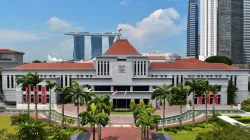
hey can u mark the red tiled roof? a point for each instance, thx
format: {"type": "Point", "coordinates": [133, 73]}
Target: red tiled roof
{"type": "Point", "coordinates": [55, 66]}
{"type": "Point", "coordinates": [8, 50]}
{"type": "Point", "coordinates": [156, 57]}
{"type": "Point", "coordinates": [190, 63]}
{"type": "Point", "coordinates": [121, 47]}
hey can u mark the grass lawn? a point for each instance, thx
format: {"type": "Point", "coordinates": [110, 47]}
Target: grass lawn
{"type": "Point", "coordinates": [187, 136]}
{"type": "Point", "coordinates": [114, 112]}
{"type": "Point", "coordinates": [5, 123]}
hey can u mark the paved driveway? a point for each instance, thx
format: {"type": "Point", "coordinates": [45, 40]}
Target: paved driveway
{"type": "Point", "coordinates": [121, 119]}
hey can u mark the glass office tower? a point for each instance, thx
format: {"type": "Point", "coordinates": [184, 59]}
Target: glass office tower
{"type": "Point", "coordinates": [246, 31]}
{"type": "Point", "coordinates": [79, 48]}
{"type": "Point", "coordinates": [192, 29]}
{"type": "Point", "coordinates": [230, 30]}
{"type": "Point", "coordinates": [111, 40]}
{"type": "Point", "coordinates": [96, 46]}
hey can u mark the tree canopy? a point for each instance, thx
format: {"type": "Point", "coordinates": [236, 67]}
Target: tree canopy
{"type": "Point", "coordinates": [219, 59]}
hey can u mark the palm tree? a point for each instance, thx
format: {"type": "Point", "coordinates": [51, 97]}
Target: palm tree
{"type": "Point", "coordinates": [162, 92]}
{"type": "Point", "coordinates": [93, 117]}
{"type": "Point", "coordinates": [50, 85]}
{"type": "Point", "coordinates": [214, 89]}
{"type": "Point", "coordinates": [194, 86]}
{"type": "Point", "coordinates": [78, 96]}
{"type": "Point", "coordinates": [64, 91]}
{"type": "Point", "coordinates": [35, 80]}
{"type": "Point", "coordinates": [147, 121]}
{"type": "Point", "coordinates": [205, 88]}
{"type": "Point", "coordinates": [25, 80]}
{"type": "Point", "coordinates": [179, 97]}
{"type": "Point", "coordinates": [102, 105]}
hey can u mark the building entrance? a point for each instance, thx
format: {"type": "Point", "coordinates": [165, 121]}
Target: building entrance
{"type": "Point", "coordinates": [121, 103]}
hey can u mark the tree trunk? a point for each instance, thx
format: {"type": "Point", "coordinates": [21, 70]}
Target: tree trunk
{"type": "Point", "coordinates": [163, 116]}
{"type": "Point", "coordinates": [99, 132]}
{"type": "Point", "coordinates": [213, 109]}
{"type": "Point", "coordinates": [141, 133]}
{"type": "Point", "coordinates": [29, 101]}
{"type": "Point", "coordinates": [206, 108]}
{"type": "Point", "coordinates": [78, 119]}
{"type": "Point", "coordinates": [36, 101]}
{"type": "Point", "coordinates": [180, 115]}
{"type": "Point", "coordinates": [193, 112]}
{"type": "Point", "coordinates": [50, 106]}
{"type": "Point", "coordinates": [147, 133]}
{"type": "Point", "coordinates": [94, 132]}
{"type": "Point", "coordinates": [62, 111]}
{"type": "Point", "coordinates": [145, 136]}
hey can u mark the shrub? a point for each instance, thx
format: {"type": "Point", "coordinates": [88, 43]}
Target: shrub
{"type": "Point", "coordinates": [132, 105]}
{"type": "Point", "coordinates": [142, 103]}
{"type": "Point", "coordinates": [200, 125]}
{"type": "Point", "coordinates": [17, 120]}
{"type": "Point", "coordinates": [246, 108]}
{"type": "Point", "coordinates": [150, 105]}
{"type": "Point", "coordinates": [245, 119]}
{"type": "Point", "coordinates": [234, 116]}
{"type": "Point", "coordinates": [2, 109]}
{"type": "Point", "coordinates": [187, 128]}
{"type": "Point", "coordinates": [70, 129]}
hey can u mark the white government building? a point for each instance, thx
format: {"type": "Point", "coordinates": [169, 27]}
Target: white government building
{"type": "Point", "coordinates": [123, 69]}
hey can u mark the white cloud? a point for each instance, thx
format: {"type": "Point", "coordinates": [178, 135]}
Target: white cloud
{"type": "Point", "coordinates": [8, 36]}
{"type": "Point", "coordinates": [69, 43]}
{"type": "Point", "coordinates": [123, 2]}
{"type": "Point", "coordinates": [162, 23]}
{"type": "Point", "coordinates": [59, 25]}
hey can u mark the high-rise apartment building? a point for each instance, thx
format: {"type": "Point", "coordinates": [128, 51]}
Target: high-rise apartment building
{"type": "Point", "coordinates": [192, 29]}
{"type": "Point", "coordinates": [230, 30]}
{"type": "Point", "coordinates": [79, 47]}
{"type": "Point", "coordinates": [208, 28]}
{"type": "Point", "coordinates": [246, 31]}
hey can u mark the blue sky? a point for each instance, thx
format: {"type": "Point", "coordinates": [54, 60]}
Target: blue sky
{"type": "Point", "coordinates": [36, 27]}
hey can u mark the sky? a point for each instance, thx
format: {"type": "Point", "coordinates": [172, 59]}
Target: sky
{"type": "Point", "coordinates": [36, 27]}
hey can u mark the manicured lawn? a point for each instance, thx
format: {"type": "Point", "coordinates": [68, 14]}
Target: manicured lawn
{"type": "Point", "coordinates": [188, 135]}
{"type": "Point", "coordinates": [5, 123]}
{"type": "Point", "coordinates": [114, 112]}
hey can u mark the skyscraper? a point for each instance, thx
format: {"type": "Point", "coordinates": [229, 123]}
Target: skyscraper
{"type": "Point", "coordinates": [96, 46]}
{"type": "Point", "coordinates": [246, 31]}
{"type": "Point", "coordinates": [208, 28]}
{"type": "Point", "coordinates": [230, 30]}
{"type": "Point", "coordinates": [192, 29]}
{"type": "Point", "coordinates": [79, 47]}
{"type": "Point", "coordinates": [111, 40]}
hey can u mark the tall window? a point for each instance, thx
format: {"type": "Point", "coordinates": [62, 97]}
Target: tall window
{"type": "Point", "coordinates": [8, 81]}
{"type": "Point", "coordinates": [101, 68]}
{"type": "Point", "coordinates": [98, 67]}
{"type": "Point", "coordinates": [40, 99]}
{"type": "Point", "coordinates": [47, 98]}
{"type": "Point", "coordinates": [108, 68]}
{"type": "Point", "coordinates": [32, 99]}
{"type": "Point", "coordinates": [235, 80]}
{"type": "Point", "coordinates": [61, 81]}
{"type": "Point", "coordinates": [177, 80]}
{"type": "Point", "coordinates": [173, 79]}
{"type": "Point", "coordinates": [12, 81]}
{"type": "Point", "coordinates": [66, 80]}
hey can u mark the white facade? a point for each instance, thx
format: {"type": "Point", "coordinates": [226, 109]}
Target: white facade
{"type": "Point", "coordinates": [208, 28]}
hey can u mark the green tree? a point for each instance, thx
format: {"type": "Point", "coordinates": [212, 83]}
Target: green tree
{"type": "Point", "coordinates": [195, 86]}
{"type": "Point", "coordinates": [79, 96]}
{"type": "Point", "coordinates": [146, 120]}
{"type": "Point", "coordinates": [132, 105]}
{"type": "Point", "coordinates": [214, 90]}
{"type": "Point", "coordinates": [64, 91]}
{"type": "Point", "coordinates": [219, 59]}
{"type": "Point", "coordinates": [36, 61]}
{"type": "Point", "coordinates": [231, 92]}
{"type": "Point", "coordinates": [50, 85]}
{"type": "Point", "coordinates": [163, 92]}
{"type": "Point", "coordinates": [179, 97]}
{"type": "Point", "coordinates": [35, 80]}
{"type": "Point", "coordinates": [28, 131]}
{"type": "Point", "coordinates": [93, 117]}
{"type": "Point", "coordinates": [25, 80]}
{"type": "Point", "coordinates": [205, 88]}
{"type": "Point", "coordinates": [102, 106]}
{"type": "Point", "coordinates": [150, 105]}
{"type": "Point", "coordinates": [142, 103]}
{"type": "Point", "coordinates": [111, 105]}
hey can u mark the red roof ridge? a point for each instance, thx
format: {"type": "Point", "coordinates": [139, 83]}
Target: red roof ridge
{"type": "Point", "coordinates": [9, 50]}
{"type": "Point", "coordinates": [54, 66]}
{"type": "Point", "coordinates": [121, 47]}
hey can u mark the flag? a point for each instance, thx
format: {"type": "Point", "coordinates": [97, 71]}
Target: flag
{"type": "Point", "coordinates": [120, 30]}
{"type": "Point", "coordinates": [125, 93]}
{"type": "Point", "coordinates": [114, 92]}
